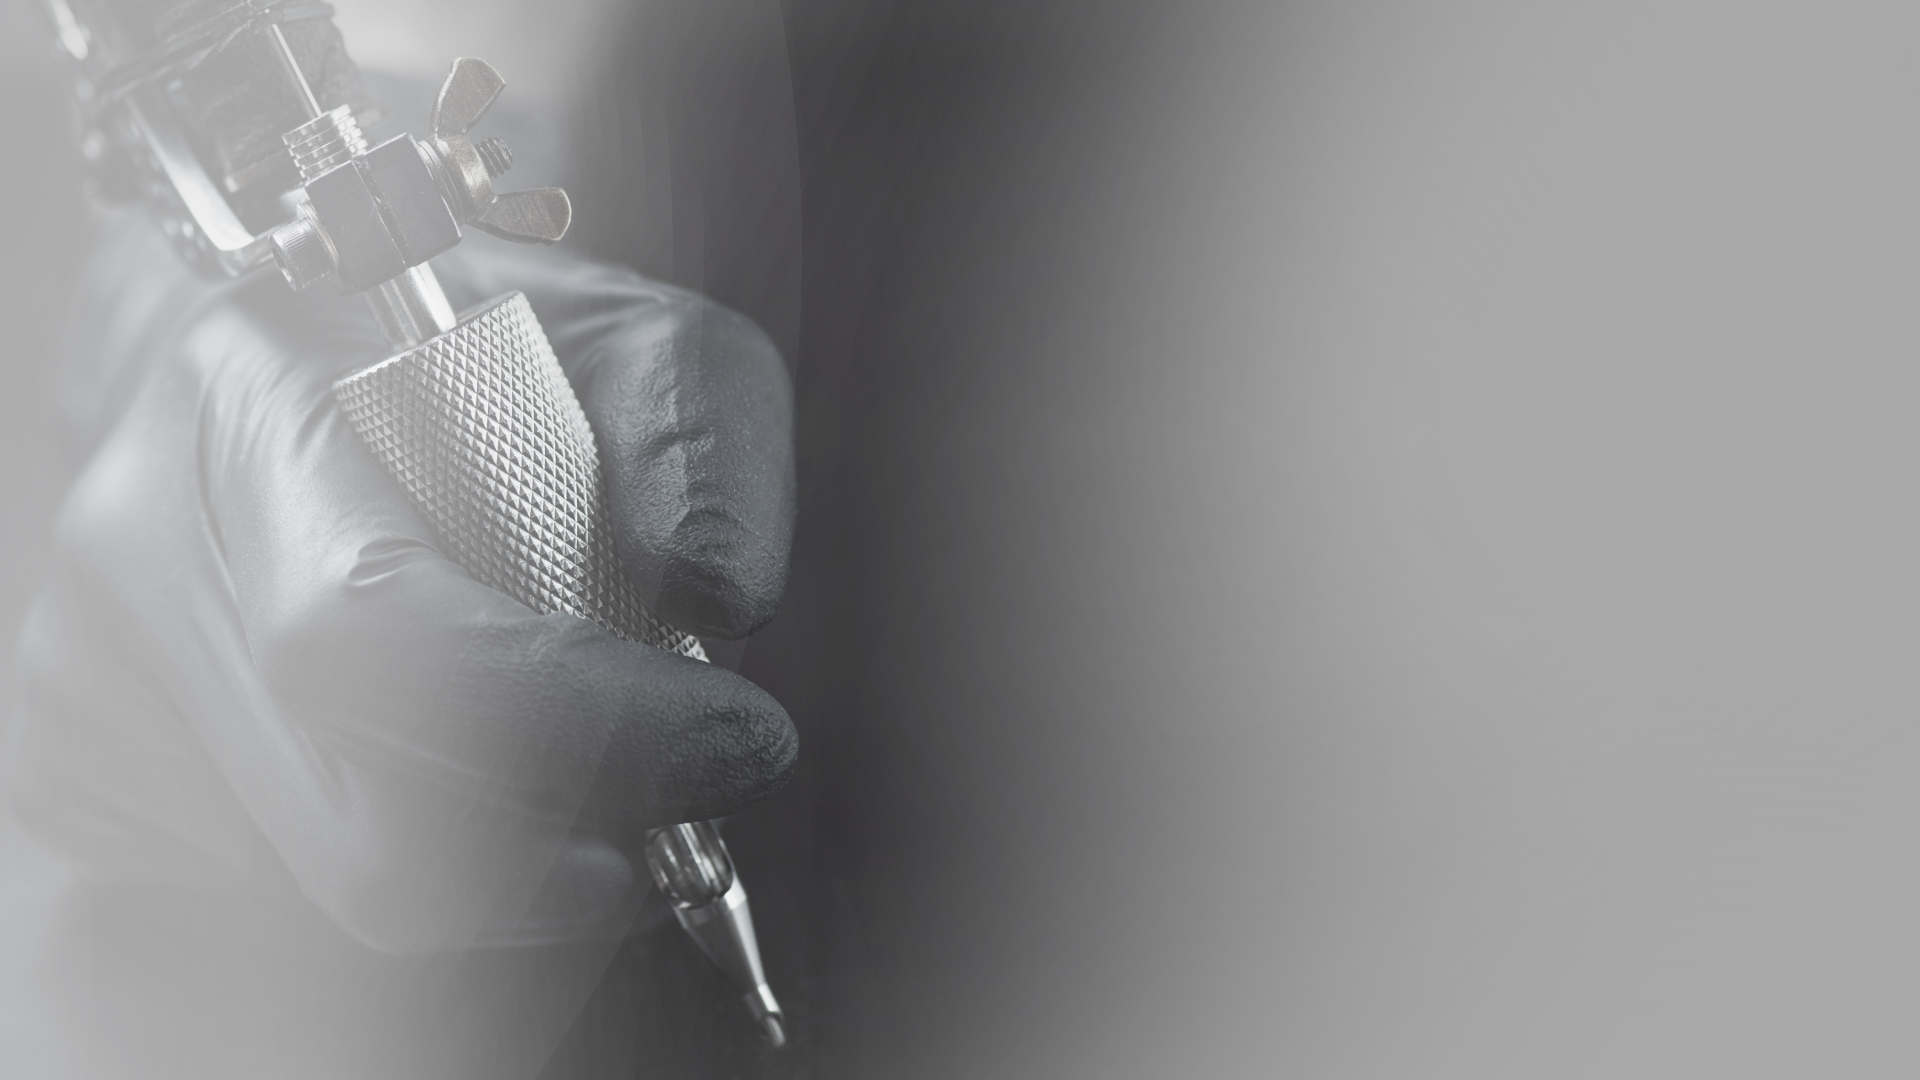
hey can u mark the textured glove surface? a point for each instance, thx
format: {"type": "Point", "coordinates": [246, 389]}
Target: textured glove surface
{"type": "Point", "coordinates": [251, 634]}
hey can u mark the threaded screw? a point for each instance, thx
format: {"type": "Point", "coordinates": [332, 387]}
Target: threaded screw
{"type": "Point", "coordinates": [495, 155]}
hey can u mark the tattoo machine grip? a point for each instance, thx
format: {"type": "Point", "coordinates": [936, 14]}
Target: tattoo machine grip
{"type": "Point", "coordinates": [482, 429]}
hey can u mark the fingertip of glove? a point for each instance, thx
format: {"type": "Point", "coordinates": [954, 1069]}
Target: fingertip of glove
{"type": "Point", "coordinates": [727, 603]}
{"type": "Point", "coordinates": [688, 740]}
{"type": "Point", "coordinates": [756, 748]}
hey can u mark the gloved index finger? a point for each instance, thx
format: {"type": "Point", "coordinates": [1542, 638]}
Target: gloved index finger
{"type": "Point", "coordinates": [392, 654]}
{"type": "Point", "coordinates": [692, 408]}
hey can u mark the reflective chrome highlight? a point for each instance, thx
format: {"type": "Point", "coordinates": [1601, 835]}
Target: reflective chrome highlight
{"type": "Point", "coordinates": [411, 308]}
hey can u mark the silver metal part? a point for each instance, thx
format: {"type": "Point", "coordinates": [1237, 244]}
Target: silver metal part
{"type": "Point", "coordinates": [496, 155]}
{"type": "Point", "coordinates": [724, 931]}
{"type": "Point", "coordinates": [535, 216]}
{"type": "Point", "coordinates": [411, 308]}
{"type": "Point", "coordinates": [463, 175]}
{"type": "Point", "coordinates": [465, 172]}
{"type": "Point", "coordinates": [690, 864]}
{"type": "Point", "coordinates": [442, 175]}
{"type": "Point", "coordinates": [218, 232]}
{"type": "Point", "coordinates": [302, 249]}
{"type": "Point", "coordinates": [470, 89]}
{"type": "Point", "coordinates": [325, 142]}
{"type": "Point", "coordinates": [331, 137]}
{"type": "Point", "coordinates": [481, 427]}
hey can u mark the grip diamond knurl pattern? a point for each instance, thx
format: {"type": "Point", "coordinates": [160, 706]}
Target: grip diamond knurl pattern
{"type": "Point", "coordinates": [484, 432]}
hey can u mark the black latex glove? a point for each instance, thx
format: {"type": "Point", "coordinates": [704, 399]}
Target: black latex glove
{"type": "Point", "coordinates": [251, 634]}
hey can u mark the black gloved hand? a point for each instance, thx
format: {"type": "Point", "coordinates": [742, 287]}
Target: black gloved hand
{"type": "Point", "coordinates": [251, 633]}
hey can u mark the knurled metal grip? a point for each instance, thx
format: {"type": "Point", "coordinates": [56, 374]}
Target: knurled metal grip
{"type": "Point", "coordinates": [482, 429]}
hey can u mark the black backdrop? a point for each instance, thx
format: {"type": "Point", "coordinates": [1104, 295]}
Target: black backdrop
{"type": "Point", "coordinates": [1341, 546]}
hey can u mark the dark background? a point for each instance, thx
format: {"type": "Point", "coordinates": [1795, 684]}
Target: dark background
{"type": "Point", "coordinates": [1348, 539]}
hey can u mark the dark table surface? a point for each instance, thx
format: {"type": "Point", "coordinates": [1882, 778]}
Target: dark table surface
{"type": "Point", "coordinates": [1229, 619]}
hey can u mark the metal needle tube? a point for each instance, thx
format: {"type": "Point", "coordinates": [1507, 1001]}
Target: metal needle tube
{"type": "Point", "coordinates": [285, 54]}
{"type": "Point", "coordinates": [411, 308]}
{"type": "Point", "coordinates": [692, 867]}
